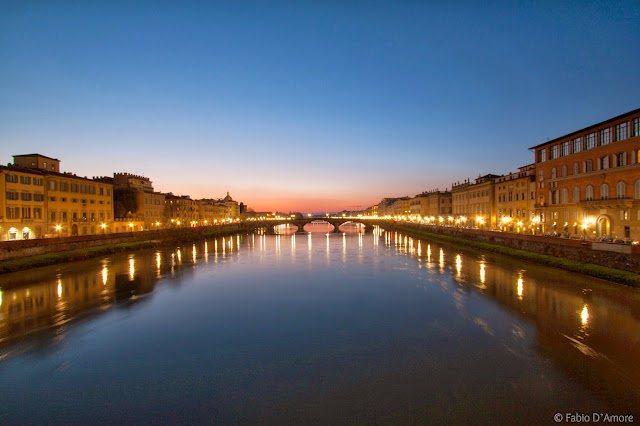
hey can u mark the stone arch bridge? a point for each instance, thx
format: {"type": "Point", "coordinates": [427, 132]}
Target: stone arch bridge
{"type": "Point", "coordinates": [300, 223]}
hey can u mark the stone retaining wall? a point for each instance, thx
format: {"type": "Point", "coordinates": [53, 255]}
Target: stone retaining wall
{"type": "Point", "coordinates": [23, 248]}
{"type": "Point", "coordinates": [569, 249]}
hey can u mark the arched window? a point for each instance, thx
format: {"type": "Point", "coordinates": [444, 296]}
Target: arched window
{"type": "Point", "coordinates": [564, 196]}
{"type": "Point", "coordinates": [553, 173]}
{"type": "Point", "coordinates": [588, 193]}
{"type": "Point", "coordinates": [636, 192]}
{"type": "Point", "coordinates": [588, 166]}
{"type": "Point", "coordinates": [621, 190]}
{"type": "Point", "coordinates": [576, 194]}
{"type": "Point", "coordinates": [575, 168]}
{"type": "Point", "coordinates": [604, 191]}
{"type": "Point", "coordinates": [564, 171]}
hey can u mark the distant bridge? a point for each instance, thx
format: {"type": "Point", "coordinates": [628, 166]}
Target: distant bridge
{"type": "Point", "coordinates": [336, 221]}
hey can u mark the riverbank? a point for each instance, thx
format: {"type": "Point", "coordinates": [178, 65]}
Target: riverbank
{"type": "Point", "coordinates": [590, 269]}
{"type": "Point", "coordinates": [140, 240]}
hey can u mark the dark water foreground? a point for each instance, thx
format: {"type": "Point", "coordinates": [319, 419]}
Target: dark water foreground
{"type": "Point", "coordinates": [324, 328]}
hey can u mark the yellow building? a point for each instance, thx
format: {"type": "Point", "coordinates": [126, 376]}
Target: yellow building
{"type": "Point", "coordinates": [514, 198]}
{"type": "Point", "coordinates": [474, 203]}
{"type": "Point", "coordinates": [180, 211]}
{"type": "Point", "coordinates": [39, 201]}
{"type": "Point", "coordinates": [22, 204]}
{"type": "Point", "coordinates": [136, 200]}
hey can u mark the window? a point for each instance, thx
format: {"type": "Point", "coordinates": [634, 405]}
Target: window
{"type": "Point", "coordinates": [12, 195]}
{"type": "Point", "coordinates": [555, 152]}
{"type": "Point", "coordinates": [64, 186]}
{"type": "Point", "coordinates": [37, 181]}
{"type": "Point", "coordinates": [603, 163]}
{"type": "Point", "coordinates": [26, 212]}
{"type": "Point", "coordinates": [12, 178]}
{"type": "Point", "coordinates": [26, 196]}
{"type": "Point", "coordinates": [577, 145]}
{"type": "Point", "coordinates": [564, 196]}
{"type": "Point", "coordinates": [604, 191]}
{"type": "Point", "coordinates": [25, 180]}
{"type": "Point", "coordinates": [564, 171]}
{"type": "Point", "coordinates": [588, 193]}
{"type": "Point", "coordinates": [52, 198]}
{"type": "Point", "coordinates": [564, 148]}
{"type": "Point", "coordinates": [38, 197]}
{"type": "Point", "coordinates": [605, 136]}
{"type": "Point", "coordinates": [52, 185]}
{"type": "Point", "coordinates": [636, 191]}
{"type": "Point", "coordinates": [64, 216]}
{"type": "Point", "coordinates": [575, 168]}
{"type": "Point", "coordinates": [622, 131]}
{"type": "Point", "coordinates": [74, 187]}
{"type": "Point", "coordinates": [576, 195]}
{"type": "Point", "coordinates": [101, 191]}
{"type": "Point", "coordinates": [588, 166]}
{"type": "Point", "coordinates": [634, 158]}
{"type": "Point", "coordinates": [590, 141]}
{"type": "Point", "coordinates": [553, 173]}
{"type": "Point", "coordinates": [621, 190]}
{"type": "Point", "coordinates": [52, 216]}
{"type": "Point", "coordinates": [37, 212]}
{"type": "Point", "coordinates": [13, 213]}
{"type": "Point", "coordinates": [636, 126]}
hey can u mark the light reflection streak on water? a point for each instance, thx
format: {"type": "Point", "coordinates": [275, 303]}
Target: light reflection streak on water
{"type": "Point", "coordinates": [132, 268]}
{"type": "Point", "coordinates": [360, 241]}
{"type": "Point", "coordinates": [458, 266]}
{"type": "Point", "coordinates": [104, 275]}
{"type": "Point", "coordinates": [483, 273]}
{"type": "Point", "coordinates": [520, 288]}
{"type": "Point", "coordinates": [584, 317]}
{"type": "Point", "coordinates": [429, 253]}
{"type": "Point", "coordinates": [194, 253]}
{"type": "Point", "coordinates": [59, 288]}
{"type": "Point", "coordinates": [206, 252]}
{"type": "Point", "coordinates": [441, 262]}
{"type": "Point", "coordinates": [278, 245]}
{"type": "Point", "coordinates": [293, 245]}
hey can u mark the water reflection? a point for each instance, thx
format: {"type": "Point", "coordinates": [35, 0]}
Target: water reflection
{"type": "Point", "coordinates": [586, 330]}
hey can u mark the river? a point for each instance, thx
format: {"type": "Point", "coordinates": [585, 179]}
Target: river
{"type": "Point", "coordinates": [318, 327]}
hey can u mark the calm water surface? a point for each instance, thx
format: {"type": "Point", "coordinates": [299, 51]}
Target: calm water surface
{"type": "Point", "coordinates": [314, 327]}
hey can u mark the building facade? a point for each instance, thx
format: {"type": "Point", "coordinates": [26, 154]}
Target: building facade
{"type": "Point", "coordinates": [38, 201]}
{"type": "Point", "coordinates": [474, 203]}
{"type": "Point", "coordinates": [588, 181]}
{"type": "Point", "coordinates": [514, 199]}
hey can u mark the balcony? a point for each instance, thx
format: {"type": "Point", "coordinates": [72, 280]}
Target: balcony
{"type": "Point", "coordinates": [611, 203]}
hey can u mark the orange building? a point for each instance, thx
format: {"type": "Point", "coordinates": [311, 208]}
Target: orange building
{"type": "Point", "coordinates": [588, 181]}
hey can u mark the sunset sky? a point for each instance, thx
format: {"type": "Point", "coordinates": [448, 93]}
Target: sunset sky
{"type": "Point", "coordinates": [308, 105]}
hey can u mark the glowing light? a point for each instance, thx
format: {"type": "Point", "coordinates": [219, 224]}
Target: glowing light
{"type": "Point", "coordinates": [520, 288]}
{"type": "Point", "coordinates": [104, 275]}
{"type": "Point", "coordinates": [58, 227]}
{"type": "Point", "coordinates": [132, 269]}
{"type": "Point", "coordinates": [0, 297]}
{"type": "Point", "coordinates": [459, 264]}
{"type": "Point", "coordinates": [194, 253]}
{"type": "Point", "coordinates": [158, 260]}
{"type": "Point", "coordinates": [584, 315]}
{"type": "Point", "coordinates": [59, 288]}
{"type": "Point", "coordinates": [483, 273]}
{"type": "Point", "coordinates": [103, 226]}
{"type": "Point", "coordinates": [179, 253]}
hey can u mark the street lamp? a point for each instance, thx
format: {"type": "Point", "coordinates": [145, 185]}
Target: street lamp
{"type": "Point", "coordinates": [58, 228]}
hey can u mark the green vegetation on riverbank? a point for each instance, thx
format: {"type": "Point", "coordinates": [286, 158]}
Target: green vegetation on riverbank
{"type": "Point", "coordinates": [28, 262]}
{"type": "Point", "coordinates": [597, 271]}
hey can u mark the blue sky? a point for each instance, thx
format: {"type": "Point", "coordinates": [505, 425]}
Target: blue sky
{"type": "Point", "coordinates": [307, 105]}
